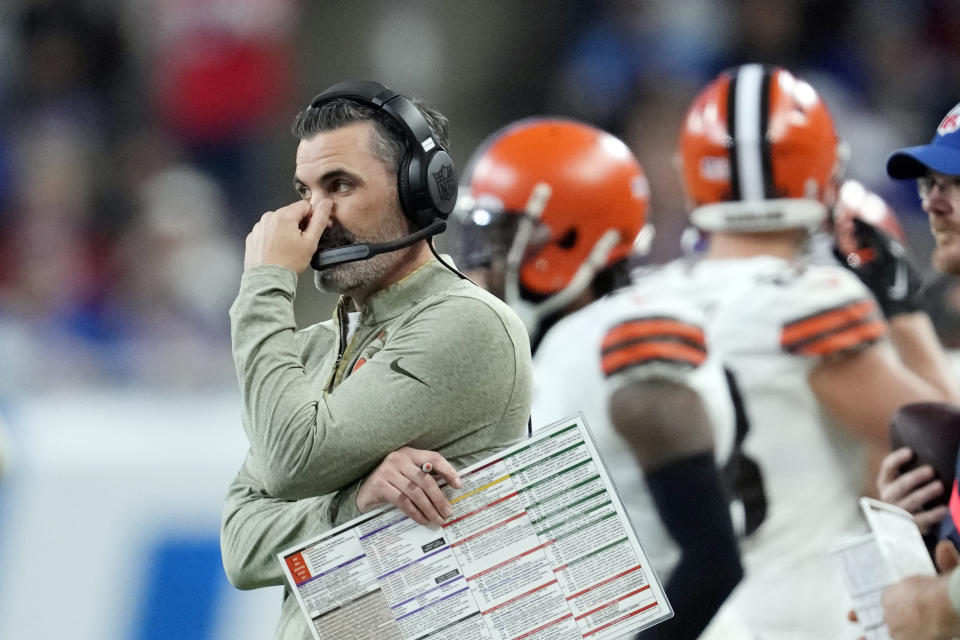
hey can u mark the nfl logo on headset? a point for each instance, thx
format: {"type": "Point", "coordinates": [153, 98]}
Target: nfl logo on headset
{"type": "Point", "coordinates": [446, 182]}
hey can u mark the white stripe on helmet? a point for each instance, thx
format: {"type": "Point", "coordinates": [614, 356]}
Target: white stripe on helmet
{"type": "Point", "coordinates": [747, 128]}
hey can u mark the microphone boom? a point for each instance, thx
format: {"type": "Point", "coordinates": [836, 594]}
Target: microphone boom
{"type": "Point", "coordinates": [365, 250]}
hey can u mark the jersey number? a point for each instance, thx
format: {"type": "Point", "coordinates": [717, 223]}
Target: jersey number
{"type": "Point", "coordinates": [742, 474]}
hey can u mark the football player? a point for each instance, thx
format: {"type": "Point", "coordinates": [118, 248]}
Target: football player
{"type": "Point", "coordinates": [552, 211]}
{"type": "Point", "coordinates": [821, 366]}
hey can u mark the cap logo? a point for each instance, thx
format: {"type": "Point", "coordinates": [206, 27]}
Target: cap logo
{"type": "Point", "coordinates": [950, 122]}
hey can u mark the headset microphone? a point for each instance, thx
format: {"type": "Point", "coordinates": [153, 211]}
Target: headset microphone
{"type": "Point", "coordinates": [352, 253]}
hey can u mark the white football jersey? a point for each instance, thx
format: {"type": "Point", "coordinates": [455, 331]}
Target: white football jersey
{"type": "Point", "coordinates": [771, 321]}
{"type": "Point", "coordinates": [628, 336]}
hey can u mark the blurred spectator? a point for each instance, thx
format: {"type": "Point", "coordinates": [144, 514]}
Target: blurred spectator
{"type": "Point", "coordinates": [220, 73]}
{"type": "Point", "coordinates": [624, 44]}
{"type": "Point", "coordinates": [178, 269]}
{"type": "Point", "coordinates": [52, 272]}
{"type": "Point", "coordinates": [72, 58]}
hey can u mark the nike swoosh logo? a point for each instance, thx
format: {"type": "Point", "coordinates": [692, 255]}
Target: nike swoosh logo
{"type": "Point", "coordinates": [898, 290]}
{"type": "Point", "coordinates": [395, 366]}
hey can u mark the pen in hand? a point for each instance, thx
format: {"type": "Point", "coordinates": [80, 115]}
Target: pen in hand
{"type": "Point", "coordinates": [449, 476]}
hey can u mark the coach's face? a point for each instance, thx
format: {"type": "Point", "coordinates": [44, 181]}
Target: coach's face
{"type": "Point", "coordinates": [940, 198]}
{"type": "Point", "coordinates": [340, 165]}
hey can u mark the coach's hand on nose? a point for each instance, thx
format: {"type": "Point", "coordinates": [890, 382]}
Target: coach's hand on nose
{"type": "Point", "coordinates": [287, 237]}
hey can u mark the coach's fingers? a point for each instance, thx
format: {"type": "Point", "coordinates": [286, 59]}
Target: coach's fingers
{"type": "Point", "coordinates": [316, 222]}
{"type": "Point", "coordinates": [396, 497]}
{"type": "Point", "coordinates": [321, 214]}
{"type": "Point", "coordinates": [295, 211]}
{"type": "Point", "coordinates": [388, 485]}
{"type": "Point", "coordinates": [423, 488]}
{"type": "Point", "coordinates": [423, 493]}
{"type": "Point", "coordinates": [428, 485]}
{"type": "Point", "coordinates": [439, 466]}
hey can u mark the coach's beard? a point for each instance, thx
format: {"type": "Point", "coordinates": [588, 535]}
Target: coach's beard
{"type": "Point", "coordinates": [353, 276]}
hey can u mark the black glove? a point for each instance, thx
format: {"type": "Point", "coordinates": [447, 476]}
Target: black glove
{"type": "Point", "coordinates": [884, 266]}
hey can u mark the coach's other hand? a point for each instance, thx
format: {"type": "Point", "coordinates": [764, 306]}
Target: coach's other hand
{"type": "Point", "coordinates": [400, 480]}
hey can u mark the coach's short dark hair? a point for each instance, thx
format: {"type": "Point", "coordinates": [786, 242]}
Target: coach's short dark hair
{"type": "Point", "coordinates": [389, 140]}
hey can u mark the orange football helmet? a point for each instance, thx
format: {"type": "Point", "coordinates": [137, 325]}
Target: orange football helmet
{"type": "Point", "coordinates": [560, 201]}
{"type": "Point", "coordinates": [759, 152]}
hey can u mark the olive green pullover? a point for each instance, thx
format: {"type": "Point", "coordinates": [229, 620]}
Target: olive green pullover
{"type": "Point", "coordinates": [434, 362]}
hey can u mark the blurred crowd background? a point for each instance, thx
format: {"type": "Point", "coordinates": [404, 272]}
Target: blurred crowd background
{"type": "Point", "coordinates": [140, 139]}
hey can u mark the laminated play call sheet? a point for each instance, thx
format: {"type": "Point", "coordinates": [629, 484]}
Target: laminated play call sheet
{"type": "Point", "coordinates": [539, 547]}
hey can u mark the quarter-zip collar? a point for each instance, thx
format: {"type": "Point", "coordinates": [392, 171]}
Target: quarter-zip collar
{"type": "Point", "coordinates": [401, 295]}
{"type": "Point", "coordinates": [385, 305]}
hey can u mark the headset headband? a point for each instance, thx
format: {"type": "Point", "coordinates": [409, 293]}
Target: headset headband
{"type": "Point", "coordinates": [378, 96]}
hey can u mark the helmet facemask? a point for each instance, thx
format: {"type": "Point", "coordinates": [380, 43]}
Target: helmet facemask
{"type": "Point", "coordinates": [496, 245]}
{"type": "Point", "coordinates": [563, 202]}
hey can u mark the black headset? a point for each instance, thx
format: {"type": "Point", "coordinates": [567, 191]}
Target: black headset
{"type": "Point", "coordinates": [426, 179]}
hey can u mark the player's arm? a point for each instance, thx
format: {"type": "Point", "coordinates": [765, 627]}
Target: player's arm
{"type": "Point", "coordinates": [666, 426]}
{"type": "Point", "coordinates": [830, 318]}
{"type": "Point", "coordinates": [669, 432]}
{"type": "Point", "coordinates": [862, 388]}
{"type": "Point", "coordinates": [647, 415]}
{"type": "Point", "coordinates": [919, 349]}
{"type": "Point", "coordinates": [884, 266]}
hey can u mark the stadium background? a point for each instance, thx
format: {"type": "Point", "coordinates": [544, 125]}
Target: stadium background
{"type": "Point", "coordinates": [139, 141]}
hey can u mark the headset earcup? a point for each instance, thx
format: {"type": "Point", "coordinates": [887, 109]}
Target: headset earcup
{"type": "Point", "coordinates": [441, 183]}
{"type": "Point", "coordinates": [407, 203]}
{"type": "Point", "coordinates": [416, 199]}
